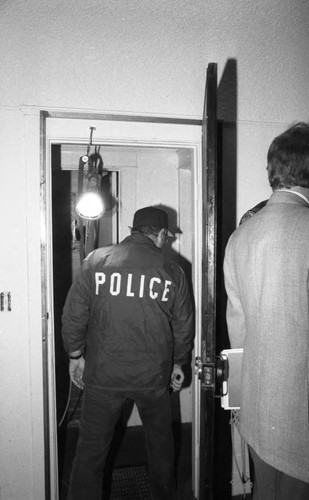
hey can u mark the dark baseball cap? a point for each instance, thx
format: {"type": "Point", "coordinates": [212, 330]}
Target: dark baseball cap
{"type": "Point", "coordinates": [151, 216]}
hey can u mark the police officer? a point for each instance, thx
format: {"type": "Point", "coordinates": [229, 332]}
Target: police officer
{"type": "Point", "coordinates": [128, 330]}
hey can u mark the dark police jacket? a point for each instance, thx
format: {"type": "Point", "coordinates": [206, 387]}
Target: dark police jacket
{"type": "Point", "coordinates": [130, 308]}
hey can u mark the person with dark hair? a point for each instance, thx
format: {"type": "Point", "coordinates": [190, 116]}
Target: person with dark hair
{"type": "Point", "coordinates": [266, 268]}
{"type": "Point", "coordinates": [128, 330]}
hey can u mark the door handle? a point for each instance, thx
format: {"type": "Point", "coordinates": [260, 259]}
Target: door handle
{"type": "Point", "coordinates": [212, 375]}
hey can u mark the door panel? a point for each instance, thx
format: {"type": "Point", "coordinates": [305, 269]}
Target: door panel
{"type": "Point", "coordinates": [208, 304]}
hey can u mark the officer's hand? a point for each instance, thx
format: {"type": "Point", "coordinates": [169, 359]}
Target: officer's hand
{"type": "Point", "coordinates": [76, 371]}
{"type": "Point", "coordinates": [177, 378]}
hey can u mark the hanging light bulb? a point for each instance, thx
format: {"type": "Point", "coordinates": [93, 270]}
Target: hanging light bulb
{"type": "Point", "coordinates": [90, 205]}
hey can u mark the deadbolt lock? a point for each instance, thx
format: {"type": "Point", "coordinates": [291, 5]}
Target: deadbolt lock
{"type": "Point", "coordinates": [212, 375]}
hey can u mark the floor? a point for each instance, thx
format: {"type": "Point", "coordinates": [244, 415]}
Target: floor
{"type": "Point", "coordinates": [126, 472]}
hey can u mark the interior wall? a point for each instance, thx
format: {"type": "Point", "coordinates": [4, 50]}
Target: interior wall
{"type": "Point", "coordinates": [150, 57]}
{"type": "Point", "coordinates": [132, 57]}
{"type": "Point", "coordinates": [158, 184]}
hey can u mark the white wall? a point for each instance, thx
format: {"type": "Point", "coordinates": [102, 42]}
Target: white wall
{"type": "Point", "coordinates": [121, 56]}
{"type": "Point", "coordinates": [150, 56]}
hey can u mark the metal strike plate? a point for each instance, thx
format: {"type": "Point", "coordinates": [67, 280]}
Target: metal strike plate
{"type": "Point", "coordinates": [5, 301]}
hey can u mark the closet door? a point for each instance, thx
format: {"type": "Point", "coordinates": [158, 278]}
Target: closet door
{"type": "Point", "coordinates": [206, 368]}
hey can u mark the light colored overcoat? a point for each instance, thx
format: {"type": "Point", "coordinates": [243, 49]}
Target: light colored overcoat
{"type": "Point", "coordinates": [266, 271]}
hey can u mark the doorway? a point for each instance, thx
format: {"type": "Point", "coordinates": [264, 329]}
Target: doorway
{"type": "Point", "coordinates": [161, 166]}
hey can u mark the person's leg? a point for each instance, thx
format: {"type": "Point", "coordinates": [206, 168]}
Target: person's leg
{"type": "Point", "coordinates": [155, 412]}
{"type": "Point", "coordinates": [290, 487]}
{"type": "Point", "coordinates": [272, 484]}
{"type": "Point", "coordinates": [100, 413]}
{"type": "Point", "coordinates": [263, 478]}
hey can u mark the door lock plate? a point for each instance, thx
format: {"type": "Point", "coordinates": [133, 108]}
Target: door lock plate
{"type": "Point", "coordinates": [206, 373]}
{"type": "Point", "coordinates": [212, 375]}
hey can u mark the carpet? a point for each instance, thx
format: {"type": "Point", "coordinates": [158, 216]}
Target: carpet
{"type": "Point", "coordinates": [130, 483]}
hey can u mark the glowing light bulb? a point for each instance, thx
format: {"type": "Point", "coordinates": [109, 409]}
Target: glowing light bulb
{"type": "Point", "coordinates": [90, 206]}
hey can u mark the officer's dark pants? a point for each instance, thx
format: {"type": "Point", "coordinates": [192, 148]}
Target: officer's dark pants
{"type": "Point", "coordinates": [100, 413]}
{"type": "Point", "coordinates": [272, 484]}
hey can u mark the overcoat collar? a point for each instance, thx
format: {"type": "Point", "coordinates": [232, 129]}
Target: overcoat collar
{"type": "Point", "coordinates": [286, 197]}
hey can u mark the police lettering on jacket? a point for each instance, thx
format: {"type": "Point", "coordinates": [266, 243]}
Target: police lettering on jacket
{"type": "Point", "coordinates": [133, 286]}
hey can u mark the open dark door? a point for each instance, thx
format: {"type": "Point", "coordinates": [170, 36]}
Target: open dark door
{"type": "Point", "coordinates": [207, 362]}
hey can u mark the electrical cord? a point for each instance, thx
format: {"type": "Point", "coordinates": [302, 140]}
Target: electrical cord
{"type": "Point", "coordinates": [67, 405]}
{"type": "Point", "coordinates": [244, 478]}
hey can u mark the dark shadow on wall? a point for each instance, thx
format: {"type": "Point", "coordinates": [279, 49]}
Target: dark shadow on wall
{"type": "Point", "coordinates": [187, 267]}
{"type": "Point", "coordinates": [226, 223]}
{"type": "Point", "coordinates": [226, 184]}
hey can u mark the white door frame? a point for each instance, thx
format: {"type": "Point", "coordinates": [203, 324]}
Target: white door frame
{"type": "Point", "coordinates": [60, 127]}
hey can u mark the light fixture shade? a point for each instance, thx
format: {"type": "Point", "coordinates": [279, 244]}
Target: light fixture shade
{"type": "Point", "coordinates": [90, 206]}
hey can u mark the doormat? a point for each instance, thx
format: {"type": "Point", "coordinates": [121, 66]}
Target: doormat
{"type": "Point", "coordinates": [130, 483]}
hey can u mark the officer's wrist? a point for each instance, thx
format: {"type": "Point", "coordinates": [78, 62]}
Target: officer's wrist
{"type": "Point", "coordinates": [75, 355]}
